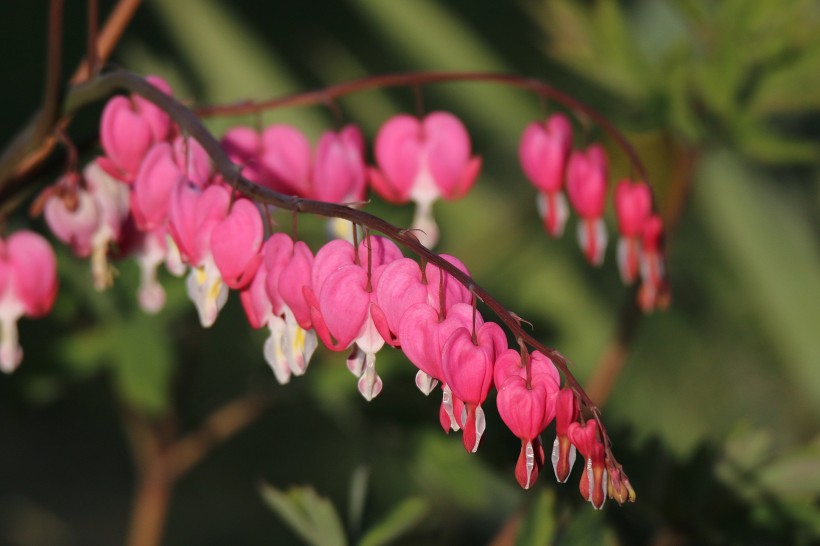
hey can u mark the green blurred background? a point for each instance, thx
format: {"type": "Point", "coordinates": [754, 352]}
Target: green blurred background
{"type": "Point", "coordinates": [715, 415]}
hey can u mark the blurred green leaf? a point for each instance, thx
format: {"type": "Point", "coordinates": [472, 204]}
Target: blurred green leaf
{"type": "Point", "coordinates": [581, 35]}
{"type": "Point", "coordinates": [232, 61]}
{"type": "Point", "coordinates": [762, 143]}
{"type": "Point", "coordinates": [773, 252]}
{"type": "Point", "coordinates": [142, 362]}
{"type": "Point", "coordinates": [790, 87]}
{"type": "Point", "coordinates": [399, 521]}
{"type": "Point", "coordinates": [538, 525]}
{"type": "Point", "coordinates": [309, 515]}
{"type": "Point", "coordinates": [795, 473]}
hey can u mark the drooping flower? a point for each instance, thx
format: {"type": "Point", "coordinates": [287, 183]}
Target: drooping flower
{"type": "Point", "coordinates": [96, 220]}
{"type": "Point", "coordinates": [633, 205]}
{"type": "Point", "coordinates": [192, 216]}
{"type": "Point", "coordinates": [278, 158]}
{"type": "Point", "coordinates": [128, 128]}
{"type": "Point", "coordinates": [594, 481]}
{"type": "Point", "coordinates": [341, 301]}
{"type": "Point", "coordinates": [563, 450]}
{"type": "Point", "coordinates": [235, 243]}
{"type": "Point", "coordinates": [654, 290]}
{"type": "Point", "coordinates": [421, 161]}
{"type": "Point", "coordinates": [543, 153]}
{"type": "Point", "coordinates": [289, 346]}
{"type": "Point", "coordinates": [527, 406]}
{"type": "Point", "coordinates": [28, 286]}
{"type": "Point", "coordinates": [467, 364]}
{"type": "Point", "coordinates": [587, 173]}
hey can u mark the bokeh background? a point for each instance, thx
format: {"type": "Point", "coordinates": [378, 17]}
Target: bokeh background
{"type": "Point", "coordinates": [714, 413]}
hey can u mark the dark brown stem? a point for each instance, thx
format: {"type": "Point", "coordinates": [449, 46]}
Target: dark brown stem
{"type": "Point", "coordinates": [51, 98]}
{"type": "Point", "coordinates": [32, 145]}
{"type": "Point", "coordinates": [91, 56]}
{"type": "Point", "coordinates": [161, 461]}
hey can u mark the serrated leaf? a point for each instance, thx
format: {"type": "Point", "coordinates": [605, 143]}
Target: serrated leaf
{"type": "Point", "coordinates": [538, 525]}
{"type": "Point", "coordinates": [402, 519]}
{"type": "Point", "coordinates": [309, 515]}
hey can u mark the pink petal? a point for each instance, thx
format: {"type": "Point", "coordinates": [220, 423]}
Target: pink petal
{"type": "Point", "coordinates": [344, 303]}
{"type": "Point", "coordinates": [235, 244]}
{"type": "Point", "coordinates": [33, 272]}
{"type": "Point", "coordinates": [286, 158]}
{"type": "Point", "coordinates": [124, 135]}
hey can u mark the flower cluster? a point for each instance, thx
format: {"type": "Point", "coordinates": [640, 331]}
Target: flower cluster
{"type": "Point", "coordinates": [155, 196]}
{"type": "Point", "coordinates": [550, 163]}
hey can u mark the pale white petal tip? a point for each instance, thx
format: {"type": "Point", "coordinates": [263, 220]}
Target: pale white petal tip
{"type": "Point", "coordinates": [425, 383]}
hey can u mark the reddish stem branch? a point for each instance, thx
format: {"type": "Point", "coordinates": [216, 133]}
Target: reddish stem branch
{"type": "Point", "coordinates": [35, 141]}
{"type": "Point", "coordinates": [190, 124]}
{"type": "Point", "coordinates": [322, 96]}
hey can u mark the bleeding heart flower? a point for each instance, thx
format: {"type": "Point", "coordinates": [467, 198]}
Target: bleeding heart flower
{"type": "Point", "coordinates": [101, 208]}
{"type": "Point", "coordinates": [467, 365]}
{"type": "Point", "coordinates": [527, 406]}
{"type": "Point", "coordinates": [594, 482]}
{"type": "Point", "coordinates": [339, 169]}
{"type": "Point", "coordinates": [422, 160]}
{"type": "Point", "coordinates": [424, 333]}
{"type": "Point", "coordinates": [28, 286]}
{"type": "Point", "coordinates": [128, 129]}
{"type": "Point", "coordinates": [235, 244]}
{"type": "Point", "coordinates": [342, 300]}
{"type": "Point", "coordinates": [543, 152]}
{"type": "Point", "coordinates": [563, 450]}
{"type": "Point", "coordinates": [192, 216]}
{"type": "Point", "coordinates": [289, 347]}
{"type": "Point", "coordinates": [587, 173]}
{"type": "Point", "coordinates": [633, 205]}
{"type": "Point", "coordinates": [654, 291]}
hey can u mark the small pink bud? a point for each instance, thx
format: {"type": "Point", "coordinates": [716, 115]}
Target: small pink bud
{"type": "Point", "coordinates": [563, 450]}
{"type": "Point", "coordinates": [594, 482]}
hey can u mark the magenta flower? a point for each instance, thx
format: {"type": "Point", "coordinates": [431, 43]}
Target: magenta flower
{"type": "Point", "coordinates": [422, 160]}
{"type": "Point", "coordinates": [191, 218]}
{"type": "Point", "coordinates": [467, 365]}
{"type": "Point", "coordinates": [594, 483]}
{"type": "Point", "coordinates": [527, 407]}
{"type": "Point", "coordinates": [235, 244]}
{"type": "Point", "coordinates": [654, 290]}
{"type": "Point", "coordinates": [289, 347]}
{"type": "Point", "coordinates": [633, 206]}
{"type": "Point", "coordinates": [128, 129]}
{"type": "Point", "coordinates": [28, 286]}
{"type": "Point", "coordinates": [341, 301]}
{"type": "Point", "coordinates": [339, 168]}
{"type": "Point", "coordinates": [95, 222]}
{"type": "Point", "coordinates": [587, 173]}
{"type": "Point", "coordinates": [563, 450]}
{"type": "Point", "coordinates": [543, 152]}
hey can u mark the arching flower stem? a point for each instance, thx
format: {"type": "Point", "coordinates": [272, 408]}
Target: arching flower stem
{"type": "Point", "coordinates": [104, 84]}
